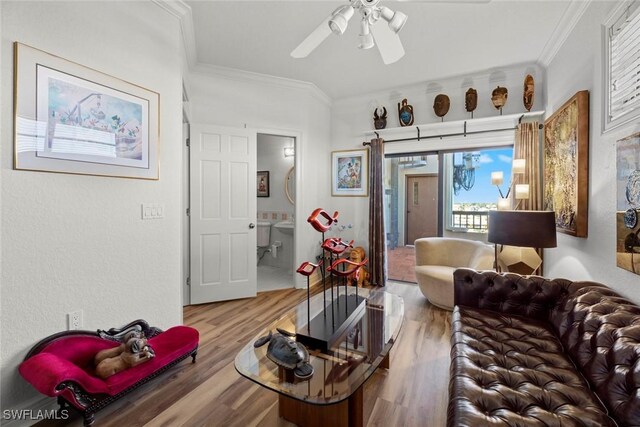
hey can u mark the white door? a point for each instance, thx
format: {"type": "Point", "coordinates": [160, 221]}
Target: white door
{"type": "Point", "coordinates": [223, 213]}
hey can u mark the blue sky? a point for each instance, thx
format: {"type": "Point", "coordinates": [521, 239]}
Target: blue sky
{"type": "Point", "coordinates": [490, 160]}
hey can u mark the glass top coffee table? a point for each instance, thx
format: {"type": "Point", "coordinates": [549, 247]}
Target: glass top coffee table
{"type": "Point", "coordinates": [333, 395]}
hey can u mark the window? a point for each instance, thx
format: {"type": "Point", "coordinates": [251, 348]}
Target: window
{"type": "Point", "coordinates": [622, 68]}
{"type": "Point", "coordinates": [469, 193]}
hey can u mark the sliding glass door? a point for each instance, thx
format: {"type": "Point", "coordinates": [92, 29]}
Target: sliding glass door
{"type": "Point", "coordinates": [439, 194]}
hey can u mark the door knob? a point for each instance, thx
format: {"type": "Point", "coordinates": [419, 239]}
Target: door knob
{"type": "Point", "coordinates": [252, 226]}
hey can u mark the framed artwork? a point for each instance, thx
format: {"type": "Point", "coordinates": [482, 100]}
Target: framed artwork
{"type": "Point", "coordinates": [74, 119]}
{"type": "Point", "coordinates": [262, 184]}
{"type": "Point", "coordinates": [628, 203]}
{"type": "Point", "coordinates": [566, 165]}
{"type": "Point", "coordinates": [350, 173]}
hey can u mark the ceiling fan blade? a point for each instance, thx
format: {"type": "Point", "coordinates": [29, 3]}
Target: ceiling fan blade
{"type": "Point", "coordinates": [446, 1]}
{"type": "Point", "coordinates": [388, 42]}
{"type": "Point", "coordinates": [313, 40]}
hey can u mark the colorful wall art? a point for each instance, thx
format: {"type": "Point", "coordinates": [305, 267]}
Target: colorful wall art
{"type": "Point", "coordinates": [628, 203]}
{"type": "Point", "coordinates": [566, 165]}
{"type": "Point", "coordinates": [73, 119]}
{"type": "Point", "coordinates": [350, 173]}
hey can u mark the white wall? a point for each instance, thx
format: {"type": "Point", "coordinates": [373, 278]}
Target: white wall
{"type": "Point", "coordinates": [352, 117]}
{"type": "Point", "coordinates": [275, 106]}
{"type": "Point", "coordinates": [578, 66]}
{"type": "Point", "coordinates": [78, 242]}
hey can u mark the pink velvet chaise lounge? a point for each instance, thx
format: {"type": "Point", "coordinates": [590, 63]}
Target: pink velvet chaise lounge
{"type": "Point", "coordinates": [61, 365]}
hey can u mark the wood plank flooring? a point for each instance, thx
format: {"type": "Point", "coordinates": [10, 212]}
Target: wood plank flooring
{"type": "Point", "coordinates": [413, 392]}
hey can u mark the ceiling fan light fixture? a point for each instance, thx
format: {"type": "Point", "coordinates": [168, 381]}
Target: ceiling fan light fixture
{"type": "Point", "coordinates": [338, 23]}
{"type": "Point", "coordinates": [366, 39]}
{"type": "Point", "coordinates": [396, 20]}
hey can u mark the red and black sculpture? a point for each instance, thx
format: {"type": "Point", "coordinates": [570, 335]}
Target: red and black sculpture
{"type": "Point", "coordinates": [340, 312]}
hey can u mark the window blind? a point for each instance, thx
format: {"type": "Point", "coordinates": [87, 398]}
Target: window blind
{"type": "Point", "coordinates": [624, 65]}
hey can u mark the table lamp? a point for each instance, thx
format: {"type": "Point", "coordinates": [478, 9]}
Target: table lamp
{"type": "Point", "coordinates": [521, 232]}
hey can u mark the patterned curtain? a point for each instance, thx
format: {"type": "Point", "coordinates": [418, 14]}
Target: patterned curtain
{"type": "Point", "coordinates": [377, 238]}
{"type": "Point", "coordinates": [527, 147]}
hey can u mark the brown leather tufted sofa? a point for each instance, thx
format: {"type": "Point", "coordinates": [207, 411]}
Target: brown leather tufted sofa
{"type": "Point", "coordinates": [529, 351]}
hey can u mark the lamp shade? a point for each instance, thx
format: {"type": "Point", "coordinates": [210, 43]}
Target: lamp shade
{"type": "Point", "coordinates": [497, 178]}
{"type": "Point", "coordinates": [518, 165]}
{"type": "Point", "coordinates": [533, 229]}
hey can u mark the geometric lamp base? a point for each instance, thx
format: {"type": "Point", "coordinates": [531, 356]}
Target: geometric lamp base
{"type": "Point", "coordinates": [519, 260]}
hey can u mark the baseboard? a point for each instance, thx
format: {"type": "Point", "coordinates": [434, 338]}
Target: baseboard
{"type": "Point", "coordinates": [35, 405]}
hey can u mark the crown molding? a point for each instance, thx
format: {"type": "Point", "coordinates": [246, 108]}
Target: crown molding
{"type": "Point", "coordinates": [182, 11]}
{"type": "Point", "coordinates": [567, 23]}
{"type": "Point", "coordinates": [265, 79]}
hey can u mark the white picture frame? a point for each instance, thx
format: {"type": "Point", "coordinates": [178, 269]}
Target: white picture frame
{"type": "Point", "coordinates": [73, 119]}
{"type": "Point", "coordinates": [350, 173]}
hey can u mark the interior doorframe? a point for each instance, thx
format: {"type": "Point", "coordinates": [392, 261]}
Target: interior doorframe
{"type": "Point", "coordinates": [297, 135]}
{"type": "Point", "coordinates": [440, 185]}
{"type": "Point", "coordinates": [406, 198]}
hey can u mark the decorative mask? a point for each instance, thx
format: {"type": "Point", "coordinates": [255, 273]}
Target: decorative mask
{"type": "Point", "coordinates": [405, 113]}
{"type": "Point", "coordinates": [471, 99]}
{"type": "Point", "coordinates": [499, 97]}
{"type": "Point", "coordinates": [441, 105]}
{"type": "Point", "coordinates": [527, 96]}
{"type": "Point", "coordinates": [380, 119]}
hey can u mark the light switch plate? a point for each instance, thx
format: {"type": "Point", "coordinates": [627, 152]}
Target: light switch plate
{"type": "Point", "coordinates": [152, 211]}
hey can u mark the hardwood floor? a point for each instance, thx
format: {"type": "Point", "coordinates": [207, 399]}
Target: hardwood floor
{"type": "Point", "coordinates": [413, 392]}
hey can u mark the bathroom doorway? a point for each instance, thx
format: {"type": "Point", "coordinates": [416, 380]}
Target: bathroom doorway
{"type": "Point", "coordinates": [275, 185]}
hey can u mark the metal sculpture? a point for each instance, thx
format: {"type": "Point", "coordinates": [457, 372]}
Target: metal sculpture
{"type": "Point", "coordinates": [287, 353]}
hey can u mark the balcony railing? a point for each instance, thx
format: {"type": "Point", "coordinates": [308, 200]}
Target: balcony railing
{"type": "Point", "coordinates": [476, 221]}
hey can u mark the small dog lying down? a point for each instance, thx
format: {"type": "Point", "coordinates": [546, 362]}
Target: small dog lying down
{"type": "Point", "coordinates": [133, 351]}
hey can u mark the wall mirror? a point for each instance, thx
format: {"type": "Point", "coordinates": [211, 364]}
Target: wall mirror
{"type": "Point", "coordinates": [290, 185]}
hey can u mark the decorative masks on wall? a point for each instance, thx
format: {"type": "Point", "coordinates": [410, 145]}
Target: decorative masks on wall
{"type": "Point", "coordinates": [441, 105]}
{"type": "Point", "coordinates": [405, 113]}
{"type": "Point", "coordinates": [471, 100]}
{"type": "Point", "coordinates": [499, 97]}
{"type": "Point", "coordinates": [380, 118]}
{"type": "Point", "coordinates": [527, 96]}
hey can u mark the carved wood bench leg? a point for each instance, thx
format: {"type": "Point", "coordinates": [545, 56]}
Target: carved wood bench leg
{"type": "Point", "coordinates": [89, 418]}
{"type": "Point", "coordinates": [63, 405]}
{"type": "Point", "coordinates": [193, 356]}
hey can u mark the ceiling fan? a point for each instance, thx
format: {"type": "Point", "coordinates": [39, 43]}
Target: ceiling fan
{"type": "Point", "coordinates": [373, 31]}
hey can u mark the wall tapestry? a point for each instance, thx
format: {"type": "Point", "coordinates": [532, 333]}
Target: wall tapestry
{"type": "Point", "coordinates": [73, 119]}
{"type": "Point", "coordinates": [350, 173]}
{"type": "Point", "coordinates": [566, 165]}
{"type": "Point", "coordinates": [628, 203]}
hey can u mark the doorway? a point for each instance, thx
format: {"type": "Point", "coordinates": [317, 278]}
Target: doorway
{"type": "Point", "coordinates": [276, 212]}
{"type": "Point", "coordinates": [411, 209]}
{"type": "Point", "coordinates": [421, 215]}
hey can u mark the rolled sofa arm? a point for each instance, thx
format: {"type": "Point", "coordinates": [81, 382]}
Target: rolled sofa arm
{"type": "Point", "coordinates": [531, 296]}
{"type": "Point", "coordinates": [46, 371]}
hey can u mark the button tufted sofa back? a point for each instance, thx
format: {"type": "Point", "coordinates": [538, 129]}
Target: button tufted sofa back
{"type": "Point", "coordinates": [599, 329]}
{"type": "Point", "coordinates": [601, 332]}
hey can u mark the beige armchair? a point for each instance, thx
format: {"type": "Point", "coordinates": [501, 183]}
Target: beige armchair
{"type": "Point", "coordinates": [438, 257]}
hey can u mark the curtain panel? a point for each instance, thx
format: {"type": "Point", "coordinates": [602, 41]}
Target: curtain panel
{"type": "Point", "coordinates": [528, 146]}
{"type": "Point", "coordinates": [377, 238]}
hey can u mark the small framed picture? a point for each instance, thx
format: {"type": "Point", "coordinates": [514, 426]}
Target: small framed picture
{"type": "Point", "coordinates": [350, 173]}
{"type": "Point", "coordinates": [262, 183]}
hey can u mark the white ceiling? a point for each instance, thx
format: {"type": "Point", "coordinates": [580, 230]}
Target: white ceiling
{"type": "Point", "coordinates": [441, 40]}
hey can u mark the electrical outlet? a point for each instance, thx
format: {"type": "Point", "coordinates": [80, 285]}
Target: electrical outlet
{"type": "Point", "coordinates": [74, 320]}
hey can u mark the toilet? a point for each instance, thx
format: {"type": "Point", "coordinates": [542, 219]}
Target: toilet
{"type": "Point", "coordinates": [264, 234]}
